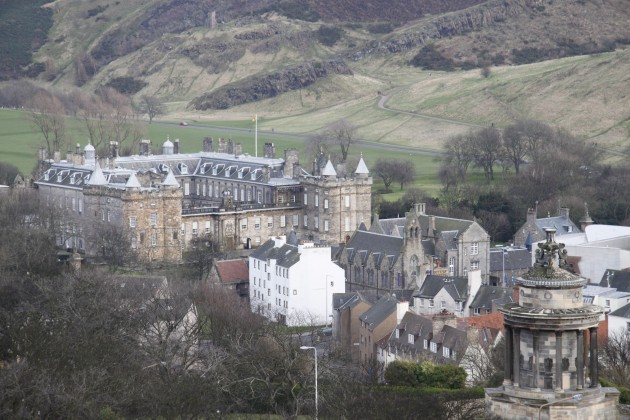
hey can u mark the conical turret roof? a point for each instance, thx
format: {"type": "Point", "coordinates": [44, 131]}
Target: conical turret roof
{"type": "Point", "coordinates": [329, 170]}
{"type": "Point", "coordinates": [97, 177]}
{"type": "Point", "coordinates": [362, 168]}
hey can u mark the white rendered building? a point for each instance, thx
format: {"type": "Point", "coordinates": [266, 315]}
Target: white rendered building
{"type": "Point", "coordinates": [294, 283]}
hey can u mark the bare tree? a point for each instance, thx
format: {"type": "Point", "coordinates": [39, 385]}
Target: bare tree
{"type": "Point", "coordinates": [459, 154]}
{"type": "Point", "coordinates": [201, 255]}
{"type": "Point", "coordinates": [151, 106]}
{"type": "Point", "coordinates": [405, 172]}
{"type": "Point", "coordinates": [386, 169]}
{"type": "Point", "coordinates": [48, 116]}
{"type": "Point", "coordinates": [342, 133]}
{"type": "Point", "coordinates": [487, 150]}
{"type": "Point", "coordinates": [109, 117]}
{"type": "Point", "coordinates": [615, 359]}
{"type": "Point", "coordinates": [516, 144]}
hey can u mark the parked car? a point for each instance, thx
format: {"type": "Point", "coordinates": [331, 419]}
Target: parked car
{"type": "Point", "coordinates": [183, 123]}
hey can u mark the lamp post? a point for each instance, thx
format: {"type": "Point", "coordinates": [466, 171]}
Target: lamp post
{"type": "Point", "coordinates": [503, 261]}
{"type": "Point", "coordinates": [576, 397]}
{"type": "Point", "coordinates": [315, 354]}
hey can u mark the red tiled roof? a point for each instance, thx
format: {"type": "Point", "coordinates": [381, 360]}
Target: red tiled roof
{"type": "Point", "coordinates": [494, 320]}
{"type": "Point", "coordinates": [232, 271]}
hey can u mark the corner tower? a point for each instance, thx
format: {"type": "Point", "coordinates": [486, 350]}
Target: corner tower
{"type": "Point", "coordinates": [551, 347]}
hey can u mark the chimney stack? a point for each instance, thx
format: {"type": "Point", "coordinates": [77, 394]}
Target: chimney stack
{"type": "Point", "coordinates": [207, 145]}
{"type": "Point", "coordinates": [176, 147]}
{"type": "Point", "coordinates": [269, 151]}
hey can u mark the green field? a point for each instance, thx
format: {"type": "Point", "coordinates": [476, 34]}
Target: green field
{"type": "Point", "coordinates": [19, 141]}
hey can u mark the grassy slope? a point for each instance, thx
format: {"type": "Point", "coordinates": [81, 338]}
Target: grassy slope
{"type": "Point", "coordinates": [19, 142]}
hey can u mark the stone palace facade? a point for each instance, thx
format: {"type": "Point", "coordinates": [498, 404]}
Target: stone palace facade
{"type": "Point", "coordinates": [159, 204]}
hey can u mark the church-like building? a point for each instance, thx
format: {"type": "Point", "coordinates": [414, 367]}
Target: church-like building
{"type": "Point", "coordinates": [157, 205]}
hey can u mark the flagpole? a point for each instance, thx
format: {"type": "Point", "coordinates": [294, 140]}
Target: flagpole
{"type": "Point", "coordinates": [256, 134]}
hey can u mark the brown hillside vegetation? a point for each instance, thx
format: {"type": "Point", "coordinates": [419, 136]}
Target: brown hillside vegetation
{"type": "Point", "coordinates": [398, 11]}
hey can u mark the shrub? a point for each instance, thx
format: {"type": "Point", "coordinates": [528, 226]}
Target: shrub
{"type": "Point", "coordinates": [126, 85]}
{"type": "Point", "coordinates": [380, 28]}
{"type": "Point", "coordinates": [425, 375]}
{"type": "Point", "coordinates": [329, 35]}
{"type": "Point", "coordinates": [430, 58]}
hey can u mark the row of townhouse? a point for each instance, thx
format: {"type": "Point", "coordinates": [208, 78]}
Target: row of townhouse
{"type": "Point", "coordinates": [376, 331]}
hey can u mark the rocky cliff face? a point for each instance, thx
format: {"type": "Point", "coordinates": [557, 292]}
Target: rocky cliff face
{"type": "Point", "coordinates": [257, 88]}
{"type": "Point", "coordinates": [457, 23]}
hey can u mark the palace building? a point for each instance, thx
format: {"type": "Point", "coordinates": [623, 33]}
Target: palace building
{"type": "Point", "coordinates": [159, 204]}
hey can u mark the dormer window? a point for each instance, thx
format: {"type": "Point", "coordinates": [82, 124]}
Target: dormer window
{"type": "Point", "coordinates": [254, 174]}
{"type": "Point", "coordinates": [206, 167]}
{"type": "Point", "coordinates": [411, 339]}
{"type": "Point", "coordinates": [183, 168]}
{"type": "Point", "coordinates": [242, 172]}
{"type": "Point", "coordinates": [163, 167]}
{"type": "Point", "coordinates": [217, 168]}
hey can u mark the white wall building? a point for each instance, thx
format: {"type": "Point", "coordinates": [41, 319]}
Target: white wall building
{"type": "Point", "coordinates": [293, 283]}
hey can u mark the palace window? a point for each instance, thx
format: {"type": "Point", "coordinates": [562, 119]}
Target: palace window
{"type": "Point", "coordinates": [474, 248]}
{"type": "Point", "coordinates": [133, 221]}
{"type": "Point", "coordinates": [153, 219]}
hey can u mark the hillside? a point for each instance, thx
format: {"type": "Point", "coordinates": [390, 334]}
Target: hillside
{"type": "Point", "coordinates": [249, 55]}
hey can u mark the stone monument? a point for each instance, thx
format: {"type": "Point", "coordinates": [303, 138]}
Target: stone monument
{"type": "Point", "coordinates": [550, 364]}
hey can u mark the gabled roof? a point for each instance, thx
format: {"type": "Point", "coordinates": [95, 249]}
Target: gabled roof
{"type": "Point", "coordinates": [375, 242]}
{"type": "Point", "coordinates": [453, 337]}
{"type": "Point", "coordinates": [391, 227]}
{"type": "Point", "coordinates": [379, 312]}
{"type": "Point", "coordinates": [623, 312]}
{"type": "Point", "coordinates": [443, 224]}
{"type": "Point", "coordinates": [351, 299]}
{"type": "Point", "coordinates": [285, 256]}
{"type": "Point", "coordinates": [232, 271]}
{"type": "Point", "coordinates": [618, 279]}
{"type": "Point", "coordinates": [494, 321]}
{"type": "Point", "coordinates": [449, 238]}
{"type": "Point", "coordinates": [514, 258]}
{"type": "Point", "coordinates": [488, 294]}
{"type": "Point", "coordinates": [563, 225]}
{"type": "Point", "coordinates": [457, 287]}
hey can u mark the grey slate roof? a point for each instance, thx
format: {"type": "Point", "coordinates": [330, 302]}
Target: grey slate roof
{"type": "Point", "coordinates": [449, 238]}
{"type": "Point", "coordinates": [488, 294]}
{"type": "Point", "coordinates": [618, 279]}
{"type": "Point", "coordinates": [392, 227]}
{"type": "Point", "coordinates": [351, 299]}
{"type": "Point", "coordinates": [285, 256]}
{"type": "Point", "coordinates": [443, 224]}
{"type": "Point", "coordinates": [562, 225]}
{"type": "Point", "coordinates": [375, 242]}
{"type": "Point", "coordinates": [623, 312]}
{"type": "Point", "coordinates": [515, 259]}
{"type": "Point", "coordinates": [457, 287]}
{"type": "Point", "coordinates": [379, 312]}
